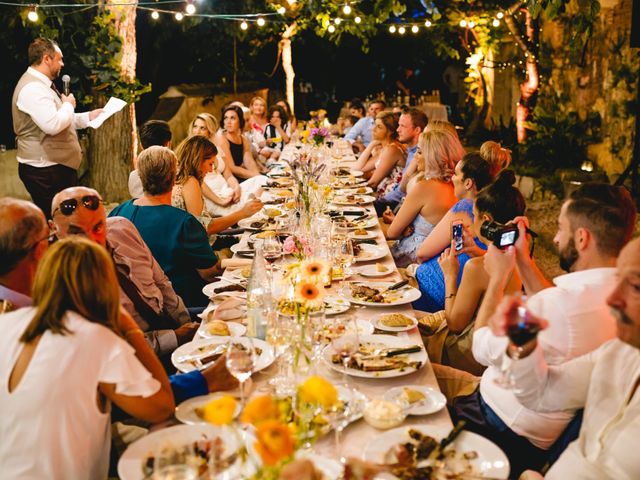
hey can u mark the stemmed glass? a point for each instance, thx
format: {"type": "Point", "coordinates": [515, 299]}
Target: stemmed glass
{"type": "Point", "coordinates": [305, 412]}
{"type": "Point", "coordinates": [280, 338]}
{"type": "Point", "coordinates": [339, 416]}
{"type": "Point", "coordinates": [175, 463]}
{"type": "Point", "coordinates": [346, 345]}
{"type": "Point", "coordinates": [271, 251]}
{"type": "Point", "coordinates": [344, 257]}
{"type": "Point", "coordinates": [240, 360]}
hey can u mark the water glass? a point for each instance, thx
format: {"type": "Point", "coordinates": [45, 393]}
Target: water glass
{"type": "Point", "coordinates": [240, 360]}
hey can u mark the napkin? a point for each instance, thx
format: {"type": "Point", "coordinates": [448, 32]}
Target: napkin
{"type": "Point", "coordinates": [235, 262]}
{"type": "Point", "coordinates": [230, 309]}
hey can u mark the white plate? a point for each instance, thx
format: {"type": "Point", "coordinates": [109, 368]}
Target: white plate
{"type": "Point", "coordinates": [354, 191]}
{"type": "Point", "coordinates": [434, 400]}
{"type": "Point", "coordinates": [364, 328]}
{"type": "Point", "coordinates": [491, 461]}
{"type": "Point", "coordinates": [329, 468]}
{"type": "Point", "coordinates": [186, 411]}
{"type": "Point", "coordinates": [358, 200]}
{"type": "Point", "coordinates": [389, 342]}
{"type": "Point", "coordinates": [371, 252]}
{"type": "Point", "coordinates": [202, 347]}
{"type": "Point", "coordinates": [404, 295]}
{"type": "Point", "coordinates": [209, 288]}
{"type": "Point", "coordinates": [380, 326]}
{"type": "Point", "coordinates": [366, 223]}
{"type": "Point", "coordinates": [367, 236]}
{"type": "Point", "coordinates": [131, 461]}
{"type": "Point", "coordinates": [372, 271]}
{"type": "Point", "coordinates": [334, 305]}
{"type": "Point", "coordinates": [246, 223]}
{"type": "Point", "coordinates": [346, 182]}
{"type": "Point", "coordinates": [236, 330]}
{"type": "Point", "coordinates": [352, 173]}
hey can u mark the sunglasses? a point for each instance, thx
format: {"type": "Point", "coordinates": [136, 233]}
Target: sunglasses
{"type": "Point", "coordinates": [67, 207]}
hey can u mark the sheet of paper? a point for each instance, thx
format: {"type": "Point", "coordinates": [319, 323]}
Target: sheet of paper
{"type": "Point", "coordinates": [113, 105]}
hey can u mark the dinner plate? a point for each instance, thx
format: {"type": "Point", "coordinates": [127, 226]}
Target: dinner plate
{"type": "Point", "coordinates": [246, 223]}
{"type": "Point", "coordinates": [186, 411]}
{"type": "Point", "coordinates": [333, 305]}
{"type": "Point", "coordinates": [203, 347]}
{"type": "Point", "coordinates": [377, 322]}
{"type": "Point", "coordinates": [236, 330]}
{"type": "Point", "coordinates": [491, 461]}
{"type": "Point", "coordinates": [433, 401]}
{"type": "Point", "coordinates": [346, 182]}
{"type": "Point", "coordinates": [365, 190]}
{"type": "Point", "coordinates": [358, 200]}
{"type": "Point", "coordinates": [402, 296]}
{"type": "Point", "coordinates": [364, 328]}
{"type": "Point", "coordinates": [132, 460]}
{"type": "Point", "coordinates": [209, 289]}
{"type": "Point", "coordinates": [370, 252]}
{"type": "Point", "coordinates": [369, 235]}
{"type": "Point", "coordinates": [385, 341]}
{"type": "Point", "coordinates": [366, 223]}
{"type": "Point", "coordinates": [352, 173]}
{"type": "Point", "coordinates": [329, 468]}
{"type": "Point", "coordinates": [372, 271]}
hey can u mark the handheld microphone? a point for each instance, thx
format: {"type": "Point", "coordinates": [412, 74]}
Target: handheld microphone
{"type": "Point", "coordinates": [65, 84]}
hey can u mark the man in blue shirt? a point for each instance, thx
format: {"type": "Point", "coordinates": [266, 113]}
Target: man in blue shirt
{"type": "Point", "coordinates": [410, 126]}
{"type": "Point", "coordinates": [360, 134]}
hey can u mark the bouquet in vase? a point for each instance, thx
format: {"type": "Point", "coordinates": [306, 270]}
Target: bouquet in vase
{"type": "Point", "coordinates": [306, 172]}
{"type": "Point", "coordinates": [318, 135]}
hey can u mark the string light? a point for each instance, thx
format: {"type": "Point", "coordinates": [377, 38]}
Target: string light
{"type": "Point", "coordinates": [499, 15]}
{"type": "Point", "coordinates": [33, 14]}
{"type": "Point", "coordinates": [415, 29]}
{"type": "Point", "coordinates": [331, 29]}
{"type": "Point", "coordinates": [392, 29]}
{"type": "Point", "coordinates": [260, 22]}
{"type": "Point", "coordinates": [291, 2]}
{"type": "Point", "coordinates": [401, 30]}
{"type": "Point", "coordinates": [427, 23]}
{"type": "Point", "coordinates": [337, 21]}
{"type": "Point", "coordinates": [244, 25]}
{"type": "Point", "coordinates": [282, 10]}
{"type": "Point", "coordinates": [179, 16]}
{"type": "Point", "coordinates": [496, 22]}
{"type": "Point", "coordinates": [471, 24]}
{"type": "Point", "coordinates": [347, 9]}
{"type": "Point", "coordinates": [463, 23]}
{"type": "Point", "coordinates": [190, 9]}
{"type": "Point", "coordinates": [155, 15]}
{"type": "Point", "coordinates": [357, 19]}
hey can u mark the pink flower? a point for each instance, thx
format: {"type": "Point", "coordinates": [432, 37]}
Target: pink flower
{"type": "Point", "coordinates": [289, 246]}
{"type": "Point", "coordinates": [308, 251]}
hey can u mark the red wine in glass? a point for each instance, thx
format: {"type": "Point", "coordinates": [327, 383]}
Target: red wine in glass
{"type": "Point", "coordinates": [271, 257]}
{"type": "Point", "coordinates": [522, 332]}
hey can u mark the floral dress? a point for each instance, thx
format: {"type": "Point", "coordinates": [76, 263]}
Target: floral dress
{"type": "Point", "coordinates": [395, 176]}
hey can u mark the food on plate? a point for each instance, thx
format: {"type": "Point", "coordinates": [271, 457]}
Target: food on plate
{"type": "Point", "coordinates": [218, 327]}
{"type": "Point", "coordinates": [368, 294]}
{"type": "Point", "coordinates": [377, 357]}
{"type": "Point", "coordinates": [383, 414]}
{"type": "Point", "coordinates": [284, 193]}
{"type": "Point", "coordinates": [288, 307]}
{"type": "Point", "coordinates": [208, 353]}
{"type": "Point", "coordinates": [272, 212]}
{"type": "Point", "coordinates": [395, 320]}
{"type": "Point", "coordinates": [245, 272]}
{"type": "Point", "coordinates": [361, 190]}
{"type": "Point", "coordinates": [413, 396]}
{"type": "Point", "coordinates": [263, 224]}
{"type": "Point", "coordinates": [341, 172]}
{"type": "Point", "coordinates": [196, 454]}
{"type": "Point", "coordinates": [266, 234]}
{"type": "Point", "coordinates": [360, 231]}
{"type": "Point", "coordinates": [424, 457]}
{"type": "Point", "coordinates": [381, 267]}
{"type": "Point", "coordinates": [229, 288]}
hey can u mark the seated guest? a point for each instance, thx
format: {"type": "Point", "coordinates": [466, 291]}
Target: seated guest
{"type": "Point", "coordinates": [292, 124]}
{"type": "Point", "coordinates": [197, 157]}
{"type": "Point", "coordinates": [384, 157]}
{"type": "Point", "coordinates": [428, 199]}
{"type": "Point", "coordinates": [176, 239]}
{"type": "Point", "coordinates": [22, 245]}
{"type": "Point", "coordinates": [204, 125]}
{"type": "Point", "coordinates": [360, 135]}
{"type": "Point", "coordinates": [498, 202]}
{"type": "Point", "coordinates": [429, 274]}
{"type": "Point", "coordinates": [235, 147]}
{"type": "Point", "coordinates": [64, 360]}
{"type": "Point", "coordinates": [145, 291]}
{"type": "Point", "coordinates": [275, 133]}
{"type": "Point", "coordinates": [595, 222]}
{"type": "Point", "coordinates": [153, 132]}
{"type": "Point", "coordinates": [604, 383]}
{"type": "Point", "coordinates": [356, 108]}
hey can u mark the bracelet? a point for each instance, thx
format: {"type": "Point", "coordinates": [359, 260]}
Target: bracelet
{"type": "Point", "coordinates": [451, 295]}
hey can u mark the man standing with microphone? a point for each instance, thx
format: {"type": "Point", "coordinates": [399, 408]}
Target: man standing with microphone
{"type": "Point", "coordinates": [45, 125]}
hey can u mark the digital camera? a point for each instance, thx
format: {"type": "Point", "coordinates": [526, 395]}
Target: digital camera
{"type": "Point", "coordinates": [500, 235]}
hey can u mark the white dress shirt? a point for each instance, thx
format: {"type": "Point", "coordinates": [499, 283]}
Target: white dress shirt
{"type": "Point", "coordinates": [38, 100]}
{"type": "Point", "coordinates": [604, 383]}
{"type": "Point", "coordinates": [363, 129]}
{"type": "Point", "coordinates": [579, 322]}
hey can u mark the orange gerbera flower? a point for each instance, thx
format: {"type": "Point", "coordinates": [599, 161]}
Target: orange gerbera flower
{"type": "Point", "coordinates": [260, 409]}
{"type": "Point", "coordinates": [274, 442]}
{"type": "Point", "coordinates": [309, 294]}
{"type": "Point", "coordinates": [313, 268]}
{"type": "Point", "coordinates": [220, 411]}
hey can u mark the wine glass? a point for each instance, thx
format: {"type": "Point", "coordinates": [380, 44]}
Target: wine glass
{"type": "Point", "coordinates": [280, 338]}
{"type": "Point", "coordinates": [175, 463]}
{"type": "Point", "coordinates": [339, 415]}
{"type": "Point", "coordinates": [347, 343]}
{"type": "Point", "coordinates": [305, 413]}
{"type": "Point", "coordinates": [240, 360]}
{"type": "Point", "coordinates": [344, 257]}
{"type": "Point", "coordinates": [271, 251]}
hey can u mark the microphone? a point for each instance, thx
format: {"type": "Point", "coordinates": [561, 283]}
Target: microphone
{"type": "Point", "coordinates": [65, 84]}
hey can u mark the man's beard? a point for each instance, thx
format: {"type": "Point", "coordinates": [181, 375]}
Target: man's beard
{"type": "Point", "coordinates": [568, 255]}
{"type": "Point", "coordinates": [621, 316]}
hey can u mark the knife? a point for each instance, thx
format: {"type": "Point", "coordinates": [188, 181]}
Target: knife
{"type": "Point", "coordinates": [369, 241]}
{"type": "Point", "coordinates": [395, 286]}
{"type": "Point", "coordinates": [403, 350]}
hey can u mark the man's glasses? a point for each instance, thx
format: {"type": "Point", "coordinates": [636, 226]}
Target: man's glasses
{"type": "Point", "coordinates": [67, 207]}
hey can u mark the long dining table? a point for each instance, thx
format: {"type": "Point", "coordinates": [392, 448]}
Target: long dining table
{"type": "Point", "coordinates": [357, 435]}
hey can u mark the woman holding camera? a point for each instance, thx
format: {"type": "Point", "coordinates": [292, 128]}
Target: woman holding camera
{"type": "Point", "coordinates": [494, 206]}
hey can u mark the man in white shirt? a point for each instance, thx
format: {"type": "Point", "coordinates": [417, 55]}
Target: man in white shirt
{"type": "Point", "coordinates": [360, 134]}
{"type": "Point", "coordinates": [45, 125]}
{"type": "Point", "coordinates": [594, 224]}
{"type": "Point", "coordinates": [603, 382]}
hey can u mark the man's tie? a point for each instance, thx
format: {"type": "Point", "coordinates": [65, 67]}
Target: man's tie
{"type": "Point", "coordinates": [53, 87]}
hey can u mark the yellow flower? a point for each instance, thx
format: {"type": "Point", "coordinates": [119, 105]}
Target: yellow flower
{"type": "Point", "coordinates": [317, 390]}
{"type": "Point", "coordinates": [313, 269]}
{"type": "Point", "coordinates": [274, 442]}
{"type": "Point", "coordinates": [260, 409]}
{"type": "Point", "coordinates": [309, 293]}
{"type": "Point", "coordinates": [220, 411]}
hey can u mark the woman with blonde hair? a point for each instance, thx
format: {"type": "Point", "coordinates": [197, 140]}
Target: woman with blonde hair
{"type": "Point", "coordinates": [204, 125]}
{"type": "Point", "coordinates": [498, 157]}
{"type": "Point", "coordinates": [429, 198]}
{"type": "Point", "coordinates": [64, 360]}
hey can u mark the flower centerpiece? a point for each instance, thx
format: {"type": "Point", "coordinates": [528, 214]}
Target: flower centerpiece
{"type": "Point", "coordinates": [298, 246]}
{"type": "Point", "coordinates": [306, 172]}
{"type": "Point", "coordinates": [281, 425]}
{"type": "Point", "coordinates": [318, 135]}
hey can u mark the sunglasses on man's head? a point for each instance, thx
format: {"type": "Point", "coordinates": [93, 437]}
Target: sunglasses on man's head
{"type": "Point", "coordinates": [67, 207]}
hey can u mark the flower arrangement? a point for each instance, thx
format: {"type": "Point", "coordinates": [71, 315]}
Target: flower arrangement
{"type": "Point", "coordinates": [297, 246]}
{"type": "Point", "coordinates": [318, 135]}
{"type": "Point", "coordinates": [306, 172]}
{"type": "Point", "coordinates": [278, 430]}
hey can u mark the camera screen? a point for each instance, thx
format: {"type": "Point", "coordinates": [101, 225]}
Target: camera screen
{"type": "Point", "coordinates": [457, 235]}
{"type": "Point", "coordinates": [508, 238]}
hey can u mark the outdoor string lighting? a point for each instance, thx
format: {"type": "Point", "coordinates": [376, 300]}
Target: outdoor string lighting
{"type": "Point", "coordinates": [401, 30]}
{"type": "Point", "coordinates": [260, 22]}
{"type": "Point", "coordinates": [347, 9]}
{"type": "Point", "coordinates": [427, 23]}
{"type": "Point", "coordinates": [179, 16]}
{"type": "Point", "coordinates": [190, 9]}
{"type": "Point", "coordinates": [392, 29]}
{"type": "Point", "coordinates": [415, 29]}
{"type": "Point", "coordinates": [331, 28]}
{"type": "Point", "coordinates": [155, 15]}
{"type": "Point", "coordinates": [33, 14]}
{"type": "Point", "coordinates": [357, 19]}
{"type": "Point", "coordinates": [244, 25]}
{"type": "Point", "coordinates": [337, 21]}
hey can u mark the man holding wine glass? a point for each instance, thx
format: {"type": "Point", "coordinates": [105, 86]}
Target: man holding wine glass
{"type": "Point", "coordinates": [594, 224]}
{"type": "Point", "coordinates": [604, 382]}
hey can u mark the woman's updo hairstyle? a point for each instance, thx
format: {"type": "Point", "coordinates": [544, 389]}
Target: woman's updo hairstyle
{"type": "Point", "coordinates": [501, 199]}
{"type": "Point", "coordinates": [498, 157]}
{"type": "Point", "coordinates": [476, 168]}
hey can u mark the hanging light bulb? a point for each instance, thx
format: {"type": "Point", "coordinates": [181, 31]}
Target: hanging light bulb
{"type": "Point", "coordinates": [463, 23]}
{"type": "Point", "coordinates": [337, 21]}
{"type": "Point", "coordinates": [471, 24]}
{"type": "Point", "coordinates": [392, 29]}
{"type": "Point", "coordinates": [244, 25]}
{"type": "Point", "coordinates": [346, 9]}
{"type": "Point", "coordinates": [415, 29]}
{"type": "Point", "coordinates": [260, 22]}
{"type": "Point", "coordinates": [401, 30]}
{"type": "Point", "coordinates": [427, 23]}
{"type": "Point", "coordinates": [282, 10]}
{"type": "Point", "coordinates": [499, 15]}
{"type": "Point", "coordinates": [496, 22]}
{"type": "Point", "coordinates": [357, 19]}
{"type": "Point", "coordinates": [190, 9]}
{"type": "Point", "coordinates": [291, 2]}
{"type": "Point", "coordinates": [155, 15]}
{"type": "Point", "coordinates": [179, 16]}
{"type": "Point", "coordinates": [331, 29]}
{"type": "Point", "coordinates": [33, 14]}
